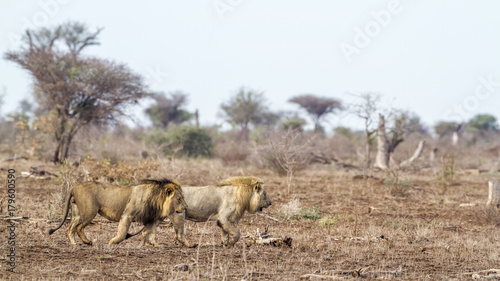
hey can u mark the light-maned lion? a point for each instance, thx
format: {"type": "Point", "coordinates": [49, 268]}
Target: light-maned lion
{"type": "Point", "coordinates": [147, 203]}
{"type": "Point", "coordinates": [226, 203]}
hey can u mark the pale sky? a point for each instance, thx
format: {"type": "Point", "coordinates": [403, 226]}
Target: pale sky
{"type": "Point", "coordinates": [439, 59]}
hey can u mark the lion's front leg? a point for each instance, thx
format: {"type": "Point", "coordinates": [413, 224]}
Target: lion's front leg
{"type": "Point", "coordinates": [178, 221]}
{"type": "Point", "coordinates": [231, 230]}
{"type": "Point", "coordinates": [152, 235]}
{"type": "Point", "coordinates": [123, 227]}
{"type": "Point", "coordinates": [224, 236]}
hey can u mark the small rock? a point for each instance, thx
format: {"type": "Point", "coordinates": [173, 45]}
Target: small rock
{"type": "Point", "coordinates": [181, 267]}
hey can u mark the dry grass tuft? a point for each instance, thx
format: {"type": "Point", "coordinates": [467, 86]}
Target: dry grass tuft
{"type": "Point", "coordinates": [487, 215]}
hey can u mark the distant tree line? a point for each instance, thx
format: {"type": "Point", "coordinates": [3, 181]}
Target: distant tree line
{"type": "Point", "coordinates": [73, 90]}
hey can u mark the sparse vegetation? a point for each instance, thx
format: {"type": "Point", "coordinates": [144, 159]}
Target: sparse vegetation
{"type": "Point", "coordinates": [334, 212]}
{"type": "Point", "coordinates": [310, 213]}
{"type": "Point", "coordinates": [327, 221]}
{"type": "Point", "coordinates": [447, 172]}
{"type": "Point", "coordinates": [326, 217]}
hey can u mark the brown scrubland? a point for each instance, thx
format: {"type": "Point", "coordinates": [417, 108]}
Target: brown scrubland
{"type": "Point", "coordinates": [334, 218]}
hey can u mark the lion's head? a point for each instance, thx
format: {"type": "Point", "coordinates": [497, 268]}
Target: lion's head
{"type": "Point", "coordinates": [165, 198]}
{"type": "Point", "coordinates": [250, 193]}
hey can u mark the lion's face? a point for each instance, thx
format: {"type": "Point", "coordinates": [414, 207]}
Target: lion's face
{"type": "Point", "coordinates": [174, 202]}
{"type": "Point", "coordinates": [265, 202]}
{"type": "Point", "coordinates": [259, 199]}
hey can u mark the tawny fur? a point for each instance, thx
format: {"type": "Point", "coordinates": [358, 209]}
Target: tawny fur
{"type": "Point", "coordinates": [226, 203]}
{"type": "Point", "coordinates": [148, 203]}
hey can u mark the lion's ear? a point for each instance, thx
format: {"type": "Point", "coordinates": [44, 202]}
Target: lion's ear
{"type": "Point", "coordinates": [170, 191]}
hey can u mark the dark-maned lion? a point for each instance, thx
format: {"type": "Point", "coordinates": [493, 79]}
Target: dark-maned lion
{"type": "Point", "coordinates": [226, 202]}
{"type": "Point", "coordinates": [147, 203]}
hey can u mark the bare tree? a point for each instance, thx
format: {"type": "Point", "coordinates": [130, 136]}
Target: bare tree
{"type": "Point", "coordinates": [366, 110]}
{"type": "Point", "coordinates": [382, 158]}
{"type": "Point", "coordinates": [289, 150]}
{"type": "Point", "coordinates": [168, 109]}
{"type": "Point", "coordinates": [386, 146]}
{"type": "Point", "coordinates": [317, 107]}
{"type": "Point", "coordinates": [79, 89]}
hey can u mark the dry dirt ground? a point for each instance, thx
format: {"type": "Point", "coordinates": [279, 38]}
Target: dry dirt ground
{"type": "Point", "coordinates": [368, 227]}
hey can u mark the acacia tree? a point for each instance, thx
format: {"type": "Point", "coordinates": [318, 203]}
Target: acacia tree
{"type": "Point", "coordinates": [79, 89]}
{"type": "Point", "coordinates": [444, 128]}
{"type": "Point", "coordinates": [168, 109]}
{"type": "Point", "coordinates": [244, 108]}
{"type": "Point", "coordinates": [482, 123]}
{"type": "Point", "coordinates": [317, 107]}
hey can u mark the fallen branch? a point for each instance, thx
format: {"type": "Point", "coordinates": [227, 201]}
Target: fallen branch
{"type": "Point", "coordinates": [265, 239]}
{"type": "Point", "coordinates": [38, 174]}
{"type": "Point", "coordinates": [13, 218]}
{"type": "Point", "coordinates": [307, 276]}
{"type": "Point", "coordinates": [16, 158]}
{"type": "Point", "coordinates": [362, 273]}
{"type": "Point", "coordinates": [374, 239]}
{"type": "Point", "coordinates": [269, 217]}
{"type": "Point", "coordinates": [487, 271]}
{"type": "Point", "coordinates": [376, 274]}
{"type": "Point", "coordinates": [467, 205]}
{"type": "Point", "coordinates": [415, 155]}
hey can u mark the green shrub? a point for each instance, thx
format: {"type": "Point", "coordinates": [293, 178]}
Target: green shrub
{"type": "Point", "coordinates": [310, 214]}
{"type": "Point", "coordinates": [327, 221]}
{"type": "Point", "coordinates": [185, 140]}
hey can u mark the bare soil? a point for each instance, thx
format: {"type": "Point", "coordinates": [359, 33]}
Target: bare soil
{"type": "Point", "coordinates": [404, 231]}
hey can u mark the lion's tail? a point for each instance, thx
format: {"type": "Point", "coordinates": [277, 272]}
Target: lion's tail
{"type": "Point", "coordinates": [132, 235]}
{"type": "Point", "coordinates": [66, 210]}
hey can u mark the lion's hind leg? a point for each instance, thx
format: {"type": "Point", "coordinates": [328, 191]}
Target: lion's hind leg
{"type": "Point", "coordinates": [86, 210]}
{"type": "Point", "coordinates": [80, 226]}
{"type": "Point", "coordinates": [75, 219]}
{"type": "Point", "coordinates": [149, 234]}
{"type": "Point", "coordinates": [123, 227]}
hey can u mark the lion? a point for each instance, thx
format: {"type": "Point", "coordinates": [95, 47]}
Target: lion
{"type": "Point", "coordinates": [226, 203]}
{"type": "Point", "coordinates": [148, 203]}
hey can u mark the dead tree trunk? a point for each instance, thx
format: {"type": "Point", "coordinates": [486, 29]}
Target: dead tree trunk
{"type": "Point", "coordinates": [454, 138]}
{"type": "Point", "coordinates": [493, 194]}
{"type": "Point", "coordinates": [382, 158]}
{"type": "Point", "coordinates": [367, 150]}
{"type": "Point", "coordinates": [432, 156]}
{"type": "Point", "coordinates": [385, 148]}
{"type": "Point", "coordinates": [197, 118]}
{"type": "Point", "coordinates": [415, 155]}
{"type": "Point", "coordinates": [456, 130]}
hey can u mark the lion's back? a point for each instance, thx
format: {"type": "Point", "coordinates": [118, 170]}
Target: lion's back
{"type": "Point", "coordinates": [206, 202]}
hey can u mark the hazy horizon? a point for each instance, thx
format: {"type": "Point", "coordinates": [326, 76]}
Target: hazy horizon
{"type": "Point", "coordinates": [440, 60]}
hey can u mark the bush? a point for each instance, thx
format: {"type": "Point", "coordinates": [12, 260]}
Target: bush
{"type": "Point", "coordinates": [310, 214]}
{"type": "Point", "coordinates": [327, 221]}
{"type": "Point", "coordinates": [291, 209]}
{"type": "Point", "coordinates": [188, 141]}
{"type": "Point", "coordinates": [90, 169]}
{"type": "Point", "coordinates": [232, 152]}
